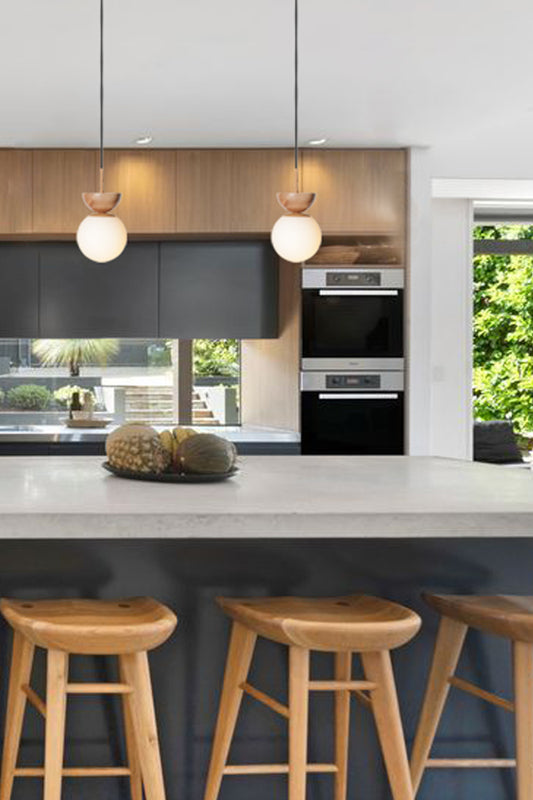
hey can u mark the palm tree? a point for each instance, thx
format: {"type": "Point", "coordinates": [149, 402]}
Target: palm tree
{"type": "Point", "coordinates": [74, 352]}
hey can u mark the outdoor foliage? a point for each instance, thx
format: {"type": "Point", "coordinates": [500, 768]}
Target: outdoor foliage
{"type": "Point", "coordinates": [503, 332]}
{"type": "Point", "coordinates": [216, 357]}
{"type": "Point", "coordinates": [29, 397]}
{"type": "Point", "coordinates": [74, 352]}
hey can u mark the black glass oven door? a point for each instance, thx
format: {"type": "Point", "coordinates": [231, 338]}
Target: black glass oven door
{"type": "Point", "coordinates": [352, 423]}
{"type": "Point", "coordinates": [351, 324]}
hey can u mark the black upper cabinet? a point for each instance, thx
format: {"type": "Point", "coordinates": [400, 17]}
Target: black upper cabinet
{"type": "Point", "coordinates": [218, 290]}
{"type": "Point", "coordinates": [19, 291]}
{"type": "Point", "coordinates": [82, 299]}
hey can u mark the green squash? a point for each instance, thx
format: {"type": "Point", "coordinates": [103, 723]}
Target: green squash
{"type": "Point", "coordinates": [207, 453]}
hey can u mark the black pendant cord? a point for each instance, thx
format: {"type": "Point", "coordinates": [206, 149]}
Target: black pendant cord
{"type": "Point", "coordinates": [101, 95]}
{"type": "Point", "coordinates": [296, 92]}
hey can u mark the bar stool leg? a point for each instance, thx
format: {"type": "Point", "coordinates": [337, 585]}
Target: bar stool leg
{"type": "Point", "coordinates": [134, 666]}
{"type": "Point", "coordinates": [136, 790]}
{"type": "Point", "coordinates": [241, 648]}
{"type": "Point", "coordinates": [56, 703]}
{"type": "Point", "coordinates": [523, 692]}
{"type": "Point", "coordinates": [378, 669]}
{"type": "Point", "coordinates": [21, 664]}
{"type": "Point", "coordinates": [343, 672]}
{"type": "Point", "coordinates": [450, 640]}
{"type": "Point", "coordinates": [298, 720]}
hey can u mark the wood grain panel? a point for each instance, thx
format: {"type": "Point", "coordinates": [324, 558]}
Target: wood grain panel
{"type": "Point", "coordinates": [358, 191]}
{"type": "Point", "coordinates": [270, 367]}
{"type": "Point", "coordinates": [230, 191]}
{"type": "Point", "coordinates": [147, 180]}
{"type": "Point", "coordinates": [15, 199]}
{"type": "Point", "coordinates": [59, 178]}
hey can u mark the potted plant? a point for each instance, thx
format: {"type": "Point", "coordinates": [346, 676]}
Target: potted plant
{"type": "Point", "coordinates": [74, 352]}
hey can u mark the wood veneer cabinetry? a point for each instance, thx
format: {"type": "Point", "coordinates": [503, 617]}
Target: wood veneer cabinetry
{"type": "Point", "coordinates": [230, 191]}
{"type": "Point", "coordinates": [147, 180]}
{"type": "Point", "coordinates": [59, 178]}
{"type": "Point", "coordinates": [15, 198]}
{"type": "Point", "coordinates": [270, 367]}
{"type": "Point", "coordinates": [358, 191]}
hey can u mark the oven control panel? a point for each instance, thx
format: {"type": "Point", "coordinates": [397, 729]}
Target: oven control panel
{"type": "Point", "coordinates": [353, 381]}
{"type": "Point", "coordinates": [359, 279]}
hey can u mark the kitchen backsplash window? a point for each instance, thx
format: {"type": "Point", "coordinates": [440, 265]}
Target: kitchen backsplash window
{"type": "Point", "coordinates": [129, 379]}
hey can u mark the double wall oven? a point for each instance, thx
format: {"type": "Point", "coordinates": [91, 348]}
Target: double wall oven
{"type": "Point", "coordinates": [352, 380]}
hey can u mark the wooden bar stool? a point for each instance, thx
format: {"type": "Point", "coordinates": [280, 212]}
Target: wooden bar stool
{"type": "Point", "coordinates": [507, 616]}
{"type": "Point", "coordinates": [342, 625]}
{"type": "Point", "coordinates": [123, 628]}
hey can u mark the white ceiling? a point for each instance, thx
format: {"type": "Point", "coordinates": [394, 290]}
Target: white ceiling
{"type": "Point", "coordinates": [454, 75]}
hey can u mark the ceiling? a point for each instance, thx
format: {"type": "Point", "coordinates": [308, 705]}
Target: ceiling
{"type": "Point", "coordinates": [455, 76]}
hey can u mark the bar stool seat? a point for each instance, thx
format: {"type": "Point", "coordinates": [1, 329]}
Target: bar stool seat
{"type": "Point", "coordinates": [504, 615]}
{"type": "Point", "coordinates": [353, 622]}
{"type": "Point", "coordinates": [368, 626]}
{"type": "Point", "coordinates": [91, 627]}
{"type": "Point", "coordinates": [127, 629]}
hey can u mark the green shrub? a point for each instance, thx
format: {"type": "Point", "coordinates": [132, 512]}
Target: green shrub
{"type": "Point", "coordinates": [2, 397]}
{"type": "Point", "coordinates": [63, 396]}
{"type": "Point", "coordinates": [29, 397]}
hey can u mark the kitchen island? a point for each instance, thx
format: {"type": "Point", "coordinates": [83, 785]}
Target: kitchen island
{"type": "Point", "coordinates": [389, 526]}
{"type": "Point", "coordinates": [271, 497]}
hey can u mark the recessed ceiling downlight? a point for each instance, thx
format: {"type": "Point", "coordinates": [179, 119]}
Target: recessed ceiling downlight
{"type": "Point", "coordinates": [146, 139]}
{"type": "Point", "coordinates": [316, 142]}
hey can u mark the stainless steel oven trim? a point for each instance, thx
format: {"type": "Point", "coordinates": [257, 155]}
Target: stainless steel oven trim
{"type": "Point", "coordinates": [352, 364]}
{"type": "Point", "coordinates": [358, 292]}
{"type": "Point", "coordinates": [316, 382]}
{"type": "Point", "coordinates": [353, 396]}
{"type": "Point", "coordinates": [316, 278]}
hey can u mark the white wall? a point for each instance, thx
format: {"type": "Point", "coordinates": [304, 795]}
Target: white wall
{"type": "Point", "coordinates": [418, 304]}
{"type": "Point", "coordinates": [451, 329]}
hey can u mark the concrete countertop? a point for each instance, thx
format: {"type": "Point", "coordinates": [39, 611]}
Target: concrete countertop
{"type": "Point", "coordinates": [272, 497]}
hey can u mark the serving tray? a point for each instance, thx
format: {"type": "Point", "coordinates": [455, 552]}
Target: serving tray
{"type": "Point", "coordinates": [171, 477]}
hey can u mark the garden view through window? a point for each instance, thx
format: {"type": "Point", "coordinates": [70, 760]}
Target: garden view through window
{"type": "Point", "coordinates": [503, 327]}
{"type": "Point", "coordinates": [129, 380]}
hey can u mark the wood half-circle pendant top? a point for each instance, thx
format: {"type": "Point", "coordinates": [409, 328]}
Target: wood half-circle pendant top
{"type": "Point", "coordinates": [296, 202]}
{"type": "Point", "coordinates": [101, 202]}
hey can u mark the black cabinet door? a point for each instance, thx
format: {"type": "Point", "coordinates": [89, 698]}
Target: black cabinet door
{"type": "Point", "coordinates": [218, 290]}
{"type": "Point", "coordinates": [82, 299]}
{"type": "Point", "coordinates": [19, 291]}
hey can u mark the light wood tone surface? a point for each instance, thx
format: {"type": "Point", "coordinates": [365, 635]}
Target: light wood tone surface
{"type": "Point", "coordinates": [230, 191]}
{"type": "Point", "coordinates": [33, 698]}
{"type": "Point", "coordinates": [21, 664]}
{"type": "Point", "coordinates": [298, 721]}
{"type": "Point", "coordinates": [56, 700]}
{"type": "Point", "coordinates": [476, 691]}
{"type": "Point", "coordinates": [134, 764]}
{"type": "Point", "coordinates": [74, 772]}
{"type": "Point", "coordinates": [134, 667]}
{"type": "Point", "coordinates": [16, 195]}
{"type": "Point", "coordinates": [302, 624]}
{"type": "Point", "coordinates": [343, 674]}
{"type": "Point", "coordinates": [378, 668]}
{"type": "Point", "coordinates": [270, 367]}
{"type": "Point", "coordinates": [241, 648]}
{"type": "Point", "coordinates": [523, 691]}
{"type": "Point", "coordinates": [504, 615]}
{"type": "Point", "coordinates": [59, 179]}
{"type": "Point", "coordinates": [358, 191]}
{"type": "Point", "coordinates": [353, 623]}
{"type": "Point", "coordinates": [147, 181]}
{"type": "Point", "coordinates": [471, 763]}
{"type": "Point", "coordinates": [450, 640]}
{"type": "Point", "coordinates": [99, 627]}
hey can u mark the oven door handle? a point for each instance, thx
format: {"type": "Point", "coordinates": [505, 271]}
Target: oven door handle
{"type": "Point", "coordinates": [358, 292]}
{"type": "Point", "coordinates": [358, 396]}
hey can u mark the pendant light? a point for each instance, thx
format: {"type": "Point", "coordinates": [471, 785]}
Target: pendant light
{"type": "Point", "coordinates": [296, 236]}
{"type": "Point", "coordinates": [101, 236]}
